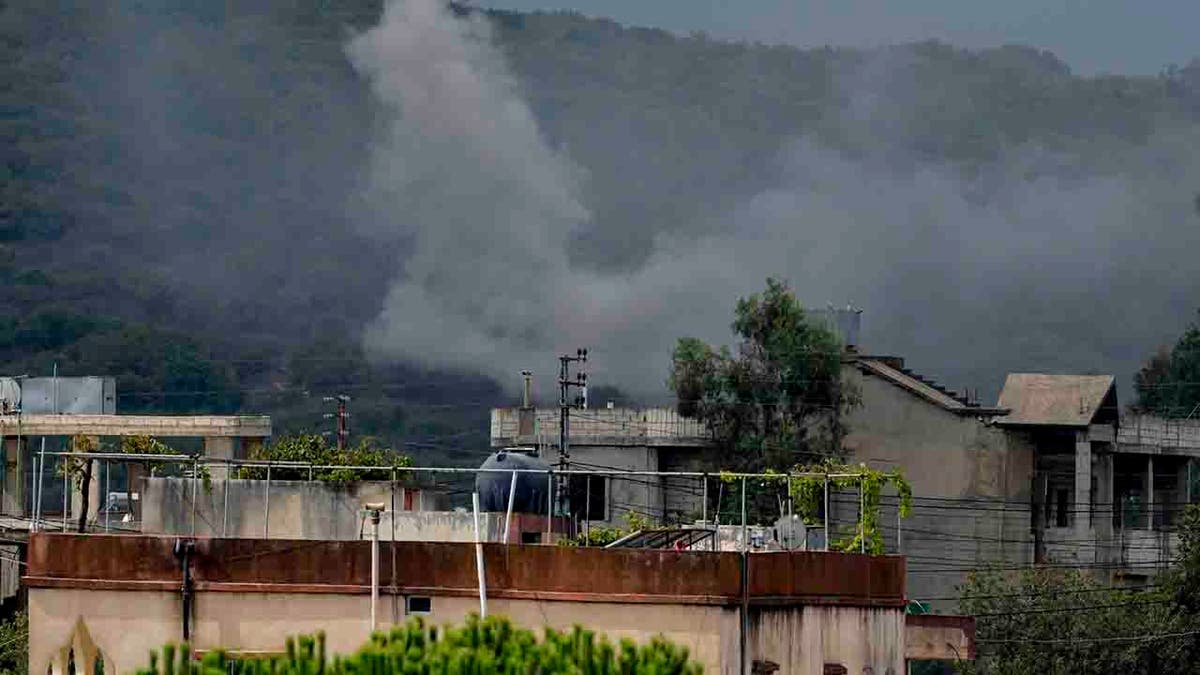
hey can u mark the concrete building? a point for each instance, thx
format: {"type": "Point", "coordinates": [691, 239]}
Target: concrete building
{"type": "Point", "coordinates": [1051, 473]}
{"type": "Point", "coordinates": [113, 599]}
{"type": "Point", "coordinates": [224, 436]}
{"type": "Point", "coordinates": [618, 439]}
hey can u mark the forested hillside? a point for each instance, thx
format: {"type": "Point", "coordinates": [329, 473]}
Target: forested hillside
{"type": "Point", "coordinates": [180, 197]}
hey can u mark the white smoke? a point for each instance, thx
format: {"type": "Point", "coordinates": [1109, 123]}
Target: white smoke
{"type": "Point", "coordinates": [1001, 265]}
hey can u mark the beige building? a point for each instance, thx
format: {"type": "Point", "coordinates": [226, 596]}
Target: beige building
{"type": "Point", "coordinates": [1051, 473]}
{"type": "Point", "coordinates": [115, 598]}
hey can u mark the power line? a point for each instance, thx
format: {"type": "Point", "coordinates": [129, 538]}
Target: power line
{"type": "Point", "coordinates": [1088, 640]}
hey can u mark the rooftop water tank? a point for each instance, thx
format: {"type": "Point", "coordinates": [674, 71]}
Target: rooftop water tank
{"type": "Point", "coordinates": [492, 486]}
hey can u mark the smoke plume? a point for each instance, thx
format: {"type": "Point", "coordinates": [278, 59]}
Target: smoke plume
{"type": "Point", "coordinates": [1022, 264]}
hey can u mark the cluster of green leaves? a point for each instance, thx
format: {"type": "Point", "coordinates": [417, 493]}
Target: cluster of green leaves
{"type": "Point", "coordinates": [808, 484]}
{"type": "Point", "coordinates": [491, 645]}
{"type": "Point", "coordinates": [14, 645]}
{"type": "Point", "coordinates": [1051, 621]}
{"type": "Point", "coordinates": [781, 399]}
{"type": "Point", "coordinates": [338, 465]}
{"type": "Point", "coordinates": [603, 535]}
{"type": "Point", "coordinates": [808, 494]}
{"type": "Point", "coordinates": [1169, 383]}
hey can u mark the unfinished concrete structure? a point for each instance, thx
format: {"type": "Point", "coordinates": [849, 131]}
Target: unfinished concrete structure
{"type": "Point", "coordinates": [116, 598]}
{"type": "Point", "coordinates": [617, 439]}
{"type": "Point", "coordinates": [1051, 473]}
{"type": "Point", "coordinates": [225, 437]}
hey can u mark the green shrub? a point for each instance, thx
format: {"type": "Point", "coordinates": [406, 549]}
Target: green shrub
{"type": "Point", "coordinates": [491, 645]}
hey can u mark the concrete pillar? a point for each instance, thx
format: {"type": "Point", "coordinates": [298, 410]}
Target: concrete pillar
{"type": "Point", "coordinates": [1083, 482]}
{"type": "Point", "coordinates": [1102, 524]}
{"type": "Point", "coordinates": [14, 478]}
{"type": "Point", "coordinates": [221, 448]}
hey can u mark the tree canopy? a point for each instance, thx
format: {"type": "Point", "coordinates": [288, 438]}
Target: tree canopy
{"type": "Point", "coordinates": [1169, 383]}
{"type": "Point", "coordinates": [780, 399]}
{"type": "Point", "coordinates": [1054, 621]}
{"type": "Point", "coordinates": [337, 465]}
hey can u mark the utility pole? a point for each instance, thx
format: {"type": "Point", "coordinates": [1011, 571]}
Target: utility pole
{"type": "Point", "coordinates": [564, 414]}
{"type": "Point", "coordinates": [343, 425]}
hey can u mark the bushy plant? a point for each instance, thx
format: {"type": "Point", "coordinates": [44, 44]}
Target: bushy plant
{"type": "Point", "coordinates": [491, 645]}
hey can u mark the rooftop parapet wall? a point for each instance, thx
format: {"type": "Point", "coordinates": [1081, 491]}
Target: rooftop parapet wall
{"type": "Point", "coordinates": [118, 562]}
{"type": "Point", "coordinates": [601, 426]}
{"type": "Point", "coordinates": [1159, 435]}
{"type": "Point", "coordinates": [197, 426]}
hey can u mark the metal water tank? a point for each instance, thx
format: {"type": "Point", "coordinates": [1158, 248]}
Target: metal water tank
{"type": "Point", "coordinates": [492, 486]}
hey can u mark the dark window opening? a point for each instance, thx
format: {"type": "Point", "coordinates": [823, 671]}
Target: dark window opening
{"type": "Point", "coordinates": [1061, 517]}
{"type": "Point", "coordinates": [834, 669]}
{"type": "Point", "coordinates": [589, 497]}
{"type": "Point", "coordinates": [531, 537]}
{"type": "Point", "coordinates": [418, 604]}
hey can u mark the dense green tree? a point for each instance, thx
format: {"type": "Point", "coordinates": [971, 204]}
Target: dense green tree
{"type": "Point", "coordinates": [1054, 621]}
{"type": "Point", "coordinates": [1169, 383]}
{"type": "Point", "coordinates": [780, 399]}
{"type": "Point", "coordinates": [315, 450]}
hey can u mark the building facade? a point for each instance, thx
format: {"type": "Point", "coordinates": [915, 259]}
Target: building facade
{"type": "Point", "coordinates": [114, 599]}
{"type": "Point", "coordinates": [1051, 473]}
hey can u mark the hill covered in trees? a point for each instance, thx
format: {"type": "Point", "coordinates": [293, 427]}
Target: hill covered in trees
{"type": "Point", "coordinates": [181, 200]}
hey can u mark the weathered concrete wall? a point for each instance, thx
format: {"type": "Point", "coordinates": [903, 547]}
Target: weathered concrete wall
{"type": "Point", "coordinates": [971, 485]}
{"type": "Point", "coordinates": [296, 509]}
{"type": "Point", "coordinates": [135, 623]}
{"type": "Point", "coordinates": [122, 593]}
{"type": "Point", "coordinates": [804, 639]}
{"type": "Point", "coordinates": [798, 639]}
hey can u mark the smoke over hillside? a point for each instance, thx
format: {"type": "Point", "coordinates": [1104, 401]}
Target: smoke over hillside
{"type": "Point", "coordinates": [1039, 259]}
{"type": "Point", "coordinates": [479, 192]}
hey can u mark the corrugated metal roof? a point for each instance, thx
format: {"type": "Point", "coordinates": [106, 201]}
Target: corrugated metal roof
{"type": "Point", "coordinates": [1059, 400]}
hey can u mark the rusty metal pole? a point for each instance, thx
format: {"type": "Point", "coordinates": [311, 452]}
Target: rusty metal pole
{"type": "Point", "coordinates": [745, 627]}
{"type": "Point", "coordinates": [827, 513]}
{"type": "Point", "coordinates": [66, 492]}
{"type": "Point", "coordinates": [267, 507]}
{"type": "Point", "coordinates": [549, 503]}
{"type": "Point", "coordinates": [790, 516]}
{"type": "Point", "coordinates": [225, 497]}
{"type": "Point", "coordinates": [107, 491]}
{"type": "Point", "coordinates": [862, 517]}
{"type": "Point", "coordinates": [195, 492]}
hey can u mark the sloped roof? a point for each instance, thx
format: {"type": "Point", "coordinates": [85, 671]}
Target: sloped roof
{"type": "Point", "coordinates": [1057, 400]}
{"type": "Point", "coordinates": [921, 388]}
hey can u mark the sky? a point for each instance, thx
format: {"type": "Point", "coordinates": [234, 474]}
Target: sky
{"type": "Point", "coordinates": [1093, 37]}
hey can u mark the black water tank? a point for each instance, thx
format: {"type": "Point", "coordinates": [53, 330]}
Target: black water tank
{"type": "Point", "coordinates": [493, 486]}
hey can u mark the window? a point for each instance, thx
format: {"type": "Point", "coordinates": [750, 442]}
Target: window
{"type": "Point", "coordinates": [589, 497]}
{"type": "Point", "coordinates": [418, 604]}
{"type": "Point", "coordinates": [1060, 518]}
{"type": "Point", "coordinates": [834, 669]}
{"type": "Point", "coordinates": [531, 537]}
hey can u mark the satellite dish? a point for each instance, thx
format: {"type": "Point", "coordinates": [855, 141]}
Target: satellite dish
{"type": "Point", "coordinates": [10, 394]}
